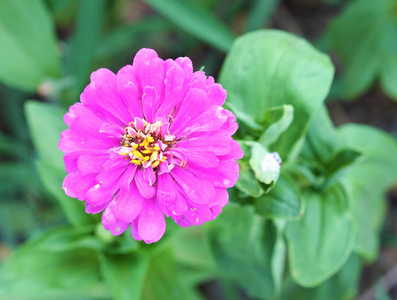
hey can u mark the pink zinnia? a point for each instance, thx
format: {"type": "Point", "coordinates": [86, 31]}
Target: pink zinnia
{"type": "Point", "coordinates": [150, 141]}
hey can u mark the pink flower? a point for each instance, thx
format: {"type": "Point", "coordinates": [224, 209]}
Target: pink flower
{"type": "Point", "coordinates": [150, 141]}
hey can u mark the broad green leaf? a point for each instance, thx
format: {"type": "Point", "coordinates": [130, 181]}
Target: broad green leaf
{"type": "Point", "coordinates": [321, 241]}
{"type": "Point", "coordinates": [191, 249]}
{"type": "Point", "coordinates": [270, 68]}
{"type": "Point", "coordinates": [85, 39]}
{"type": "Point", "coordinates": [28, 52]}
{"type": "Point", "coordinates": [196, 21]}
{"type": "Point", "coordinates": [368, 182]}
{"type": "Point", "coordinates": [364, 37]}
{"type": "Point", "coordinates": [265, 165]}
{"type": "Point", "coordinates": [275, 121]}
{"type": "Point", "coordinates": [242, 244]}
{"type": "Point", "coordinates": [45, 125]}
{"type": "Point", "coordinates": [342, 286]}
{"type": "Point", "coordinates": [52, 178]}
{"type": "Point", "coordinates": [163, 280]}
{"type": "Point", "coordinates": [125, 274]}
{"type": "Point", "coordinates": [36, 273]}
{"type": "Point", "coordinates": [283, 201]}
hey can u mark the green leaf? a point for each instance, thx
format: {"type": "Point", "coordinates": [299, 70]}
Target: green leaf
{"type": "Point", "coordinates": [341, 160]}
{"type": "Point", "coordinates": [28, 52]}
{"type": "Point", "coordinates": [283, 201]}
{"type": "Point", "coordinates": [270, 68]}
{"type": "Point", "coordinates": [368, 182]}
{"type": "Point", "coordinates": [45, 125]}
{"type": "Point", "coordinates": [242, 244]}
{"type": "Point", "coordinates": [342, 286]}
{"type": "Point", "coordinates": [88, 25]}
{"type": "Point", "coordinates": [195, 20]}
{"type": "Point", "coordinates": [125, 274]}
{"type": "Point", "coordinates": [126, 37]}
{"type": "Point", "coordinates": [321, 241]}
{"type": "Point", "coordinates": [364, 37]}
{"type": "Point", "coordinates": [33, 272]}
{"type": "Point", "coordinates": [52, 179]}
{"type": "Point", "coordinates": [275, 121]}
{"type": "Point", "coordinates": [279, 255]}
{"type": "Point", "coordinates": [163, 280]}
{"type": "Point", "coordinates": [260, 13]}
{"type": "Point", "coordinates": [247, 182]}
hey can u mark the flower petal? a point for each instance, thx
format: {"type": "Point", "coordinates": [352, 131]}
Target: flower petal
{"type": "Point", "coordinates": [151, 226]}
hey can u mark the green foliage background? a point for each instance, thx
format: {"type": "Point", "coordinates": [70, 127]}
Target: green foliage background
{"type": "Point", "coordinates": [304, 232]}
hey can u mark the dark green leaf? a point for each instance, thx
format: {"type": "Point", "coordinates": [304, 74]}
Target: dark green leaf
{"type": "Point", "coordinates": [283, 201]}
{"type": "Point", "coordinates": [260, 13]}
{"type": "Point", "coordinates": [196, 21]}
{"type": "Point", "coordinates": [321, 241]}
{"type": "Point", "coordinates": [36, 273]}
{"type": "Point", "coordinates": [364, 36]}
{"type": "Point", "coordinates": [163, 280]}
{"type": "Point", "coordinates": [242, 244]}
{"type": "Point", "coordinates": [270, 68]}
{"type": "Point", "coordinates": [125, 274]}
{"type": "Point", "coordinates": [28, 52]}
{"type": "Point", "coordinates": [85, 40]}
{"type": "Point", "coordinates": [342, 286]}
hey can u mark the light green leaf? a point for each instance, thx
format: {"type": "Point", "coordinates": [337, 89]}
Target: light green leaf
{"type": "Point", "coordinates": [45, 125]}
{"type": "Point", "coordinates": [342, 286]}
{"type": "Point", "coordinates": [34, 272]}
{"type": "Point", "coordinates": [364, 37]}
{"type": "Point", "coordinates": [321, 241]}
{"type": "Point", "coordinates": [196, 21]}
{"type": "Point", "coordinates": [28, 52]}
{"type": "Point", "coordinates": [279, 255]}
{"type": "Point", "coordinates": [52, 178]}
{"type": "Point", "coordinates": [368, 182]}
{"type": "Point", "coordinates": [283, 201]}
{"type": "Point", "coordinates": [275, 121]}
{"type": "Point", "coordinates": [270, 68]}
{"type": "Point", "coordinates": [242, 244]}
{"type": "Point", "coordinates": [125, 274]}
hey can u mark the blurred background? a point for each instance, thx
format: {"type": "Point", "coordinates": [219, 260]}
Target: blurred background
{"type": "Point", "coordinates": [49, 48]}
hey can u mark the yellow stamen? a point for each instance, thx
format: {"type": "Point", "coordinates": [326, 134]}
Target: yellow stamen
{"type": "Point", "coordinates": [136, 162]}
{"type": "Point", "coordinates": [138, 154]}
{"type": "Point", "coordinates": [156, 148]}
{"type": "Point", "coordinates": [146, 158]}
{"type": "Point", "coordinates": [135, 146]}
{"type": "Point", "coordinates": [147, 151]}
{"type": "Point", "coordinates": [155, 164]}
{"type": "Point", "coordinates": [150, 139]}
